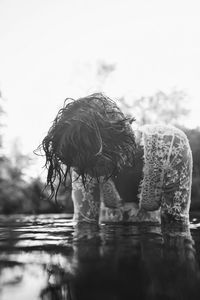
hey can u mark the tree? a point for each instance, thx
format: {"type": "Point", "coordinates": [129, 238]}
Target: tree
{"type": "Point", "coordinates": [1, 113]}
{"type": "Point", "coordinates": [167, 108]}
{"type": "Point", "coordinates": [103, 72]}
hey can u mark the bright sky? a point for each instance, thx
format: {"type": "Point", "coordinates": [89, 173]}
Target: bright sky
{"type": "Point", "coordinates": [50, 50]}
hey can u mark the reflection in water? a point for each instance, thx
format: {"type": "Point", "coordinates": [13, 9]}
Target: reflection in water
{"type": "Point", "coordinates": [47, 257]}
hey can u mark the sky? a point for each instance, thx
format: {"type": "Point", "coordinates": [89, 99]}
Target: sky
{"type": "Point", "coordinates": [51, 50]}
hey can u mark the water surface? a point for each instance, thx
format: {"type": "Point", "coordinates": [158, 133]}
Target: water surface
{"type": "Point", "coordinates": [46, 257]}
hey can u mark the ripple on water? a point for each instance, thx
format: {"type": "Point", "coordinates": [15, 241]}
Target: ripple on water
{"type": "Point", "coordinates": [35, 231]}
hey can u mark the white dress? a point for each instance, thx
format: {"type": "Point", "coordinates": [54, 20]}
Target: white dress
{"type": "Point", "coordinates": [165, 189]}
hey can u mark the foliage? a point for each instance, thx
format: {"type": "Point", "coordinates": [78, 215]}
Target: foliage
{"type": "Point", "coordinates": [1, 114]}
{"type": "Point", "coordinates": [194, 139]}
{"type": "Point", "coordinates": [104, 71]}
{"type": "Point", "coordinates": [168, 108]}
{"type": "Point", "coordinates": [20, 196]}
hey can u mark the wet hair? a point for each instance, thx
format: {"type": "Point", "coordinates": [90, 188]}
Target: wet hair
{"type": "Point", "coordinates": [86, 133]}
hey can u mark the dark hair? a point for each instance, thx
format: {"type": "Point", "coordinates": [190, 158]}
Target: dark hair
{"type": "Point", "coordinates": [86, 131]}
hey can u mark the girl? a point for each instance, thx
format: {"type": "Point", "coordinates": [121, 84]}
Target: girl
{"type": "Point", "coordinates": [119, 174]}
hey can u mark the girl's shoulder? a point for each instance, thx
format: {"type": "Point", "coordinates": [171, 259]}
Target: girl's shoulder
{"type": "Point", "coordinates": [160, 129]}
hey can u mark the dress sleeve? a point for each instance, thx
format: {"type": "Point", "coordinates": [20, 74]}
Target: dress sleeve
{"type": "Point", "coordinates": [86, 199]}
{"type": "Point", "coordinates": [176, 196]}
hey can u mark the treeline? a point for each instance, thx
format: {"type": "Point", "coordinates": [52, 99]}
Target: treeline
{"type": "Point", "coordinates": [18, 195]}
{"type": "Point", "coordinates": [194, 139]}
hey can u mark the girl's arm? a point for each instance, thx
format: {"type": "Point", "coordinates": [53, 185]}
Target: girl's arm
{"type": "Point", "coordinates": [86, 199]}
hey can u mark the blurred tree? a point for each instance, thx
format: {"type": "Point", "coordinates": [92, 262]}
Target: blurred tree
{"type": "Point", "coordinates": [17, 193]}
{"type": "Point", "coordinates": [103, 72]}
{"type": "Point", "coordinates": [2, 157]}
{"type": "Point", "coordinates": [194, 139]}
{"type": "Point", "coordinates": [19, 161]}
{"type": "Point", "coordinates": [167, 108]}
{"type": "Point", "coordinates": [1, 113]}
{"type": "Point", "coordinates": [12, 184]}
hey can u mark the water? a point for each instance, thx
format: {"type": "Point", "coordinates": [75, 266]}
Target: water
{"type": "Point", "coordinates": [46, 257]}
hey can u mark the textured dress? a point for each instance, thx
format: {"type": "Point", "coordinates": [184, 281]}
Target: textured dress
{"type": "Point", "coordinates": [164, 189]}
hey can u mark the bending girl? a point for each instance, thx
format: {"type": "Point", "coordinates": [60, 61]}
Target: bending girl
{"type": "Point", "coordinates": [119, 174]}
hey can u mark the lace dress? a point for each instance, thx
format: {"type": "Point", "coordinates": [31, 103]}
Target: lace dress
{"type": "Point", "coordinates": [164, 190]}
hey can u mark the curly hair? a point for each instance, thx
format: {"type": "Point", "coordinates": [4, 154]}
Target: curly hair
{"type": "Point", "coordinates": [87, 132]}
